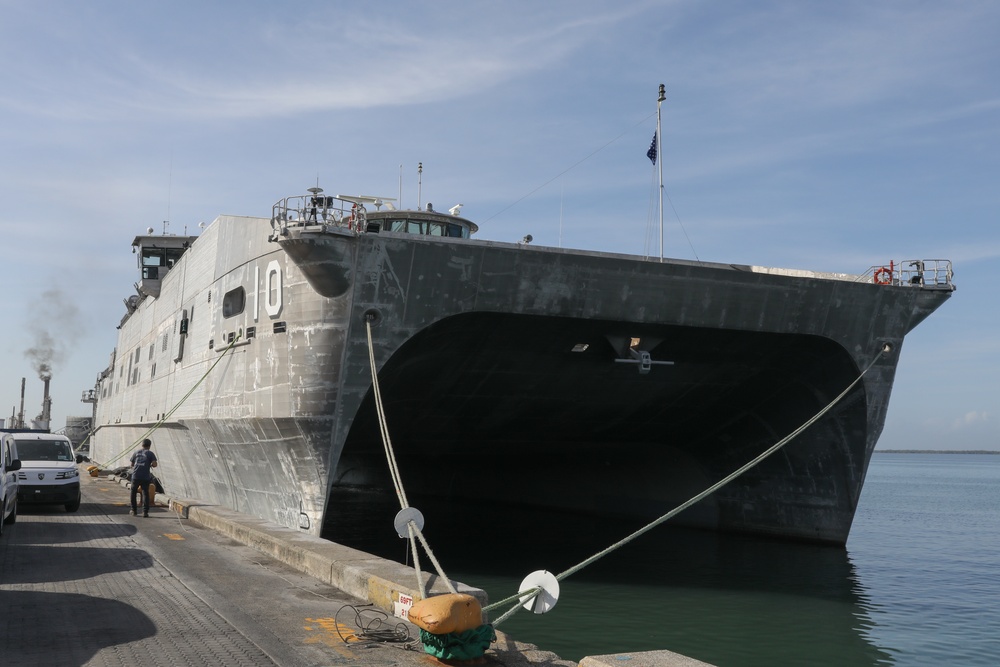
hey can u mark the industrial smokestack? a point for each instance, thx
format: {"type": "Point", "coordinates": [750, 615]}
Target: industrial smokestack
{"type": "Point", "coordinates": [42, 421]}
{"type": "Point", "coordinates": [46, 401]}
{"type": "Point", "coordinates": [20, 415]}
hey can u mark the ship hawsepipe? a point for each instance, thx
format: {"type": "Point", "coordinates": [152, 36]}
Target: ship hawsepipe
{"type": "Point", "coordinates": [630, 384]}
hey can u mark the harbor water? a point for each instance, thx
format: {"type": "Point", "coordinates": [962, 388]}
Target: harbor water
{"type": "Point", "coordinates": [916, 585]}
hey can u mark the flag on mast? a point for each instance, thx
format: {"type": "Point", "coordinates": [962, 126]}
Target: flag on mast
{"type": "Point", "coordinates": [651, 153]}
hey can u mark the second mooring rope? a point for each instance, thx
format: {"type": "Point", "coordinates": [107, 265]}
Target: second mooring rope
{"type": "Point", "coordinates": [172, 410]}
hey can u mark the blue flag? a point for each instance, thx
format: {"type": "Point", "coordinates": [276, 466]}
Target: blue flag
{"type": "Point", "coordinates": [651, 153]}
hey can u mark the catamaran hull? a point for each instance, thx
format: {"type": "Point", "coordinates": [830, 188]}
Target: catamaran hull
{"type": "Point", "coordinates": [572, 380]}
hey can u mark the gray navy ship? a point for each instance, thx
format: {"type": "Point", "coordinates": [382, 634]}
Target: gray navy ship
{"type": "Point", "coordinates": [593, 382]}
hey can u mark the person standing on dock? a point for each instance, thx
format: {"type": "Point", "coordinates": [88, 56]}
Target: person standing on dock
{"type": "Point", "coordinates": [143, 461]}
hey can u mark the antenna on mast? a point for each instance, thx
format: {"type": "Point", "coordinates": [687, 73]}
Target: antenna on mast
{"type": "Point", "coordinates": [420, 182]}
{"type": "Point", "coordinates": [659, 154]}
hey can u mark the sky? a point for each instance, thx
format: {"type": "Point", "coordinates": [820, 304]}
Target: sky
{"type": "Point", "coordinates": [808, 135]}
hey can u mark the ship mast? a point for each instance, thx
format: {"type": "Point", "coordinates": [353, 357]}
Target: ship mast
{"type": "Point", "coordinates": [659, 160]}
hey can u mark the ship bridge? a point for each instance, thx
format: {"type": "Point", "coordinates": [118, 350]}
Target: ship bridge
{"type": "Point", "coordinates": [317, 212]}
{"type": "Point", "coordinates": [157, 254]}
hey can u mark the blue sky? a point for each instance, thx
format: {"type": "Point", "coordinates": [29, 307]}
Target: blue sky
{"type": "Point", "coordinates": [813, 135]}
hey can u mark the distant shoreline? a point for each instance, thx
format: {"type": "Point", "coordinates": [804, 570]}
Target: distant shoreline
{"type": "Point", "coordinates": [936, 451]}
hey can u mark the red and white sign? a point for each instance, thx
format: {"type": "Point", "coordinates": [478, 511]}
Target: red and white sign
{"type": "Point", "coordinates": [401, 608]}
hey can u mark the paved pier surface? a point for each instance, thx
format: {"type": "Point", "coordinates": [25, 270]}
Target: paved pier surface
{"type": "Point", "coordinates": [101, 587]}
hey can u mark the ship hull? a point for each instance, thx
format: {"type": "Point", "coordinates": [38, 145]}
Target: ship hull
{"type": "Point", "coordinates": [509, 374]}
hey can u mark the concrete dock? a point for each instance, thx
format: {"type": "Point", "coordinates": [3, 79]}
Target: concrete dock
{"type": "Point", "coordinates": [196, 584]}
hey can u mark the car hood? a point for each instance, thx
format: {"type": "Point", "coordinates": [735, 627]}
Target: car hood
{"type": "Point", "coordinates": [47, 465]}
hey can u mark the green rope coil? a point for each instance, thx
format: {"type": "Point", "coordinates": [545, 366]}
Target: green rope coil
{"type": "Point", "coordinates": [459, 646]}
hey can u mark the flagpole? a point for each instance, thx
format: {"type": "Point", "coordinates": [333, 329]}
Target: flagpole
{"type": "Point", "coordinates": [659, 160]}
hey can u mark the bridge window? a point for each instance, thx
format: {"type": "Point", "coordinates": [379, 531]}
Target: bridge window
{"type": "Point", "coordinates": [429, 228]}
{"type": "Point", "coordinates": [397, 226]}
{"type": "Point", "coordinates": [174, 254]}
{"type": "Point", "coordinates": [154, 258]}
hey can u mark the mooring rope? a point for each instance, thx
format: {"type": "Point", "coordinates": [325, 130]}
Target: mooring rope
{"type": "Point", "coordinates": [525, 596]}
{"type": "Point", "coordinates": [172, 410]}
{"type": "Point", "coordinates": [397, 481]}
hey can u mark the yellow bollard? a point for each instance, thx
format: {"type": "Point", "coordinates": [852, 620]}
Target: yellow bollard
{"type": "Point", "coordinates": [448, 613]}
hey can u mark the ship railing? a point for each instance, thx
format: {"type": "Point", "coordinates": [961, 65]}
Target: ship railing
{"type": "Point", "coordinates": [314, 210]}
{"type": "Point", "coordinates": [928, 273]}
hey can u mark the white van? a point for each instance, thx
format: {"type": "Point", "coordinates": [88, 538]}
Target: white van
{"type": "Point", "coordinates": [9, 465]}
{"type": "Point", "coordinates": [49, 472]}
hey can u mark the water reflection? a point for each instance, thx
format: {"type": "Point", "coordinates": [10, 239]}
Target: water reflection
{"type": "Point", "coordinates": [727, 600]}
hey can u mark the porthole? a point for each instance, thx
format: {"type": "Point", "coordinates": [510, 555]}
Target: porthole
{"type": "Point", "coordinates": [233, 302]}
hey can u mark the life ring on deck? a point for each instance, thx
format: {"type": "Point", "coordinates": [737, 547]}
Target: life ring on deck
{"type": "Point", "coordinates": [883, 276]}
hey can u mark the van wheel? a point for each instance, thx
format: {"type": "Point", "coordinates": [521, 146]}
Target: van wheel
{"type": "Point", "coordinates": [13, 515]}
{"type": "Point", "coordinates": [73, 506]}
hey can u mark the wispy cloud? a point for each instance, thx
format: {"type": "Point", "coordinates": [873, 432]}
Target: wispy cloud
{"type": "Point", "coordinates": [334, 61]}
{"type": "Point", "coordinates": [970, 419]}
